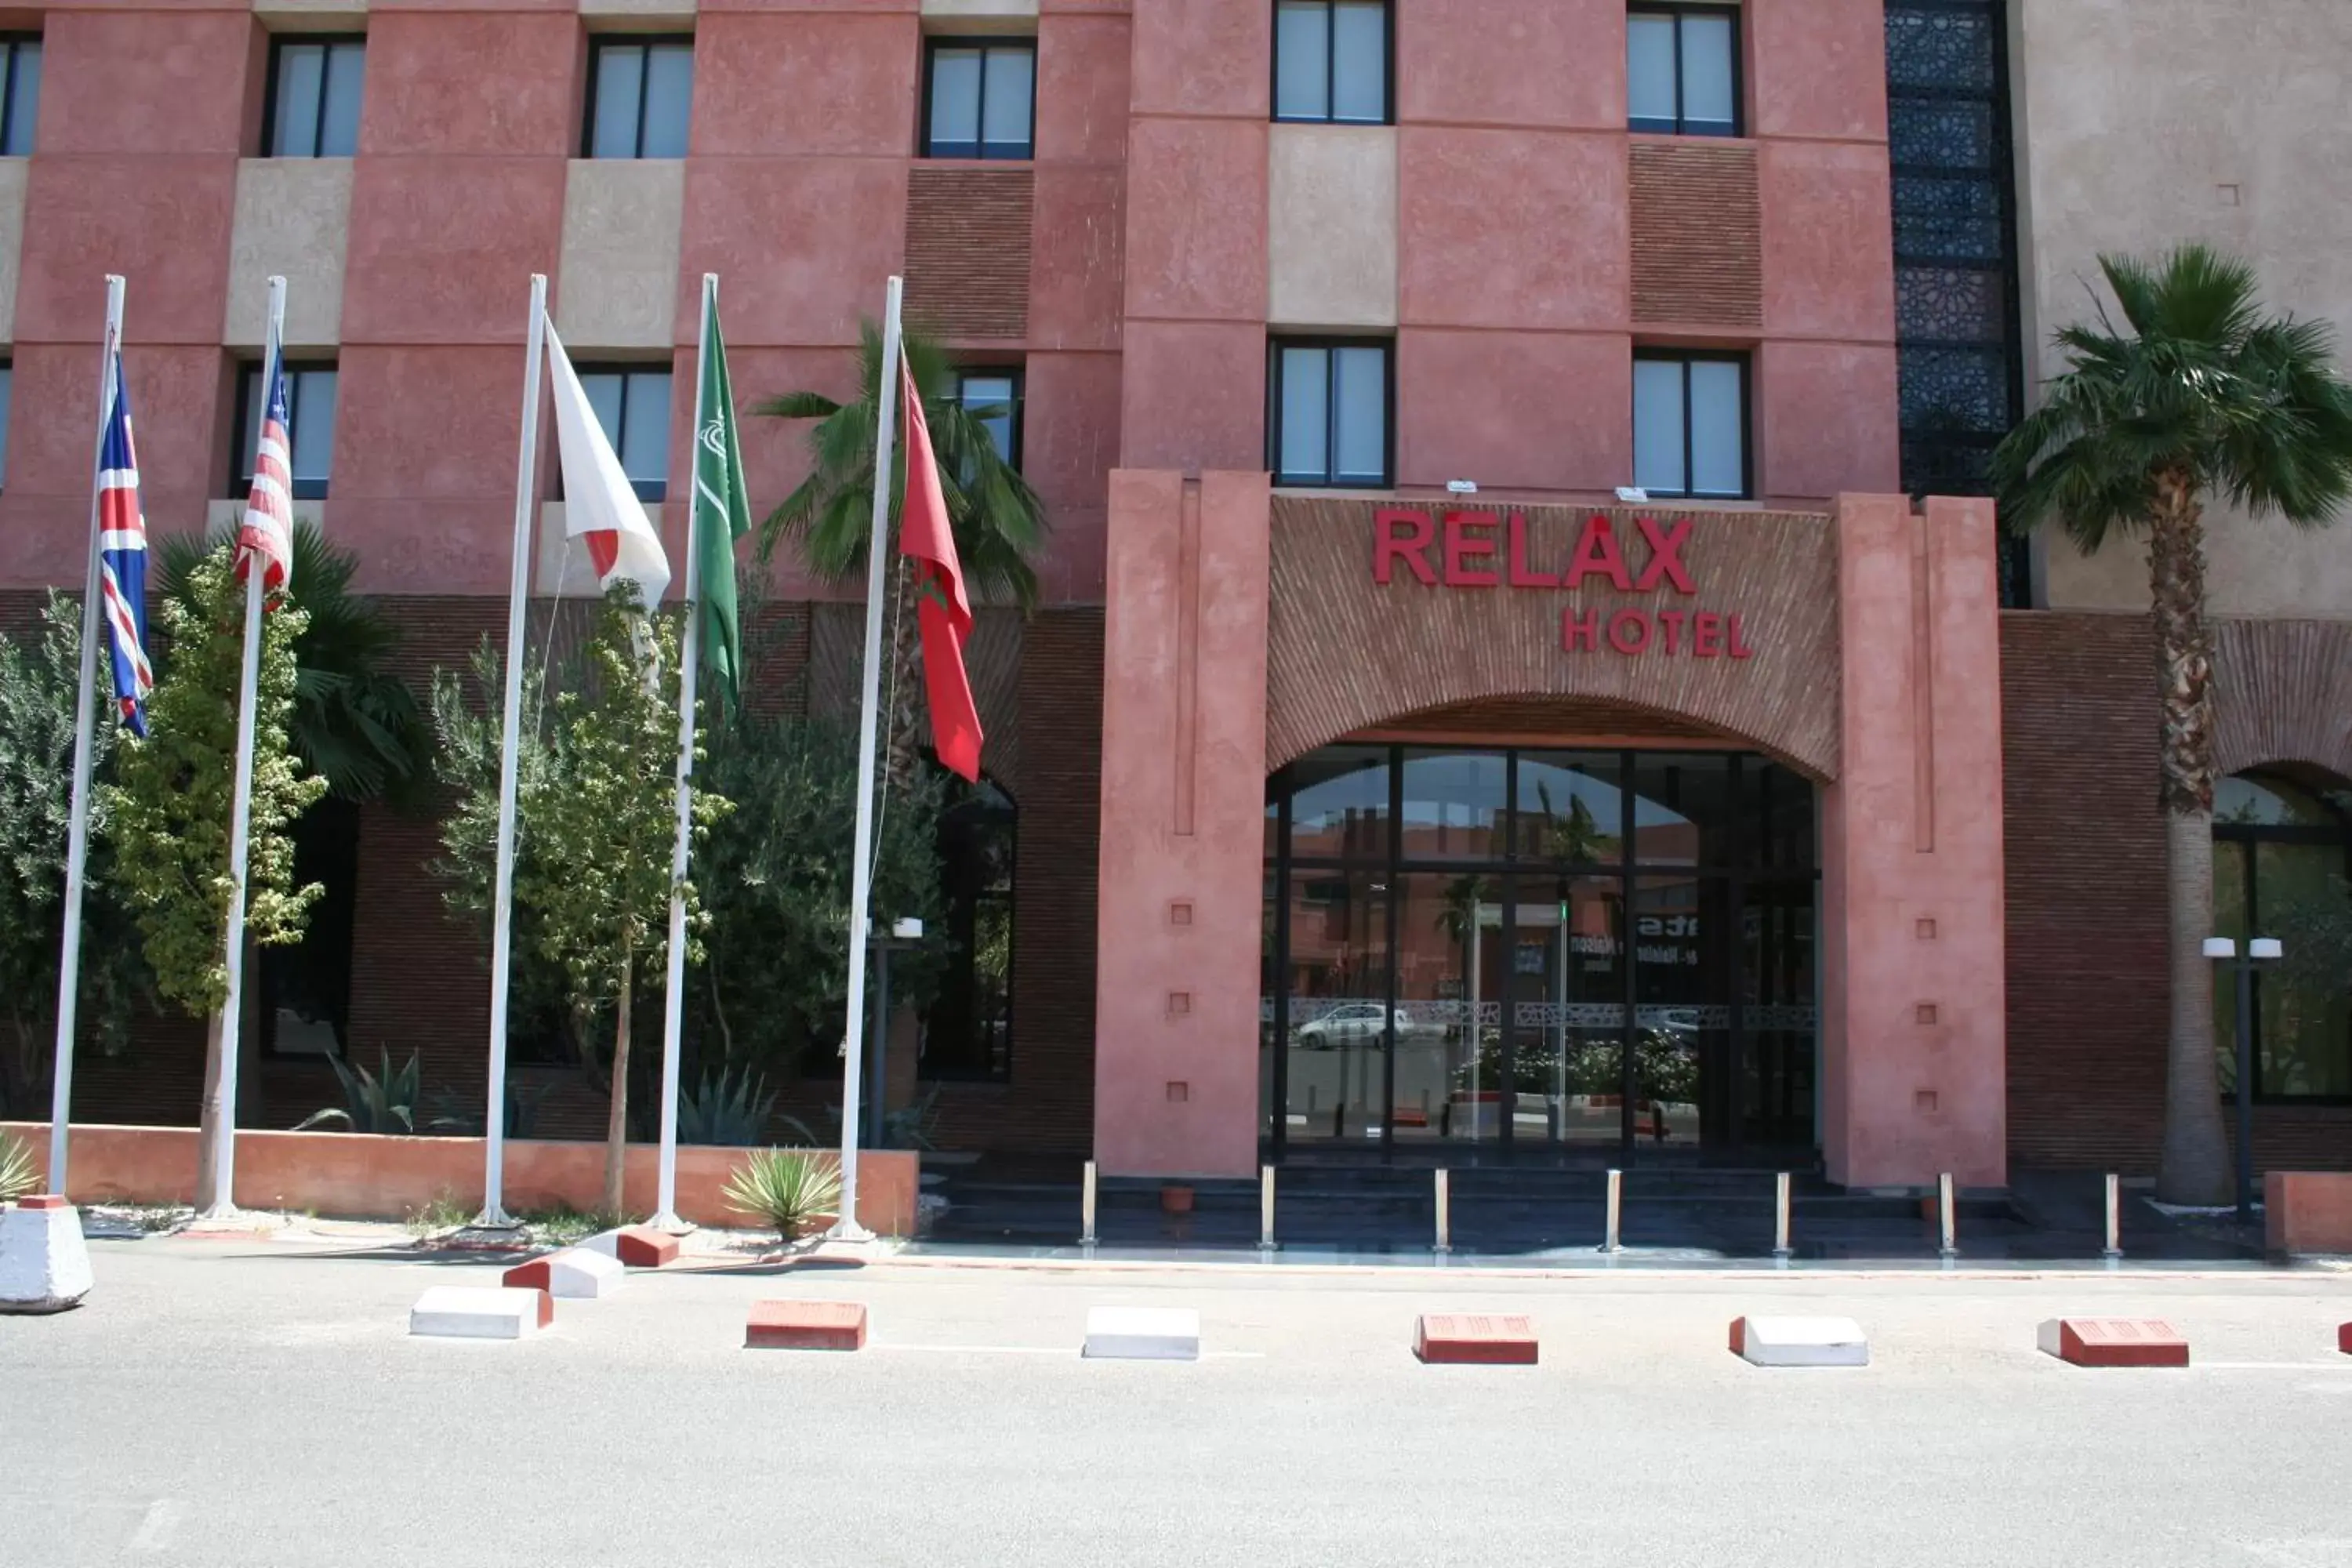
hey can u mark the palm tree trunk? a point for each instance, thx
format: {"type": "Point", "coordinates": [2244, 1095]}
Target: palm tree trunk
{"type": "Point", "coordinates": [904, 738]}
{"type": "Point", "coordinates": [2195, 1166]}
{"type": "Point", "coordinates": [209, 1125]}
{"type": "Point", "coordinates": [616, 1124]}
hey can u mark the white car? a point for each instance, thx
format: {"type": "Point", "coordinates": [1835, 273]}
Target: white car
{"type": "Point", "coordinates": [1359, 1023]}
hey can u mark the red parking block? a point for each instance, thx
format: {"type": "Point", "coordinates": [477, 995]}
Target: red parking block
{"type": "Point", "coordinates": [642, 1247]}
{"type": "Point", "coordinates": [2114, 1342]}
{"type": "Point", "coordinates": [1473, 1339]}
{"type": "Point", "coordinates": [806, 1326]}
{"type": "Point", "coordinates": [43, 1201]}
{"type": "Point", "coordinates": [2344, 1339]}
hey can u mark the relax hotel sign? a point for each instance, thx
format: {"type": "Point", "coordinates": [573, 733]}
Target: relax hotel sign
{"type": "Point", "coordinates": [1459, 549]}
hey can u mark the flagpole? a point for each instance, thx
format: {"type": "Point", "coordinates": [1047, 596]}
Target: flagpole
{"type": "Point", "coordinates": [240, 825]}
{"type": "Point", "coordinates": [861, 871]}
{"type": "Point", "coordinates": [494, 1126]}
{"type": "Point", "coordinates": [85, 727]}
{"type": "Point", "coordinates": [689, 645]}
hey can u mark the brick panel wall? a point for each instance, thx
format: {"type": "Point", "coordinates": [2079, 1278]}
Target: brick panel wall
{"type": "Point", "coordinates": [1698, 247]}
{"type": "Point", "coordinates": [2088, 1006]}
{"type": "Point", "coordinates": [968, 250]}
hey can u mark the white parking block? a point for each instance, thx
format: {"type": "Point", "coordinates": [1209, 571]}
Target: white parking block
{"type": "Point", "coordinates": [44, 1266]}
{"type": "Point", "coordinates": [1143, 1334]}
{"type": "Point", "coordinates": [575, 1274]}
{"type": "Point", "coordinates": [1799, 1342]}
{"type": "Point", "coordinates": [473, 1312]}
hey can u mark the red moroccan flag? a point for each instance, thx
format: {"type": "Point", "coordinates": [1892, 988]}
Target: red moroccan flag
{"type": "Point", "coordinates": [944, 612]}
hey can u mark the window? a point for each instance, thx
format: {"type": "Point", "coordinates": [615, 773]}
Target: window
{"type": "Point", "coordinates": [20, 97]}
{"type": "Point", "coordinates": [632, 404]}
{"type": "Point", "coordinates": [1327, 413]}
{"type": "Point", "coordinates": [310, 409]}
{"type": "Point", "coordinates": [1690, 424]}
{"type": "Point", "coordinates": [993, 397]}
{"type": "Point", "coordinates": [979, 101]}
{"type": "Point", "coordinates": [1682, 70]}
{"type": "Point", "coordinates": [2282, 852]}
{"type": "Point", "coordinates": [306, 986]}
{"type": "Point", "coordinates": [314, 98]}
{"type": "Point", "coordinates": [1331, 62]}
{"type": "Point", "coordinates": [968, 1032]}
{"type": "Point", "coordinates": [640, 94]}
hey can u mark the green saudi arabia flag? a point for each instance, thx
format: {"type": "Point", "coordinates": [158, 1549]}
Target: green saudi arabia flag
{"type": "Point", "coordinates": [722, 513]}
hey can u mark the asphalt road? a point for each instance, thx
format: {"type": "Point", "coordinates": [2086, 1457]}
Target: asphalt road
{"type": "Point", "coordinates": [258, 1405]}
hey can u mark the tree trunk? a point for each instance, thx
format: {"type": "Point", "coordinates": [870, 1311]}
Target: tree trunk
{"type": "Point", "coordinates": [209, 1199]}
{"type": "Point", "coordinates": [616, 1126]}
{"type": "Point", "coordinates": [2195, 1166]}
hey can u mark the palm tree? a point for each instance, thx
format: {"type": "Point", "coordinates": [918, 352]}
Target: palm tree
{"type": "Point", "coordinates": [998, 521]}
{"type": "Point", "coordinates": [356, 724]}
{"type": "Point", "coordinates": [2204, 395]}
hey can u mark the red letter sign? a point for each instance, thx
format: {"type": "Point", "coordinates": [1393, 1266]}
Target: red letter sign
{"type": "Point", "coordinates": [1411, 546]}
{"type": "Point", "coordinates": [1596, 551]}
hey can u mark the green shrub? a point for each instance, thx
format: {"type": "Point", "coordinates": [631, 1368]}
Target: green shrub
{"type": "Point", "coordinates": [17, 1176]}
{"type": "Point", "coordinates": [383, 1102]}
{"type": "Point", "coordinates": [726, 1109]}
{"type": "Point", "coordinates": [788, 1188]}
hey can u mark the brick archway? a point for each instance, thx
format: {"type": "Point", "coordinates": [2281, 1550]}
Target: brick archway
{"type": "Point", "coordinates": [2282, 693]}
{"type": "Point", "coordinates": [1346, 652]}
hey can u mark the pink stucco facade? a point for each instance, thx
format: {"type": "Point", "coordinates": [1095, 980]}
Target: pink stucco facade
{"type": "Point", "coordinates": [1505, 233]}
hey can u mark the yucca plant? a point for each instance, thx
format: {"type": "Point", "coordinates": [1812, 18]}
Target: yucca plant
{"type": "Point", "coordinates": [789, 1188]}
{"type": "Point", "coordinates": [384, 1101]}
{"type": "Point", "coordinates": [726, 1108]}
{"type": "Point", "coordinates": [16, 1177]}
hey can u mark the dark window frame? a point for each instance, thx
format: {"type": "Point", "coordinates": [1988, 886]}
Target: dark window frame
{"type": "Point", "coordinates": [651, 490]}
{"type": "Point", "coordinates": [1737, 871]}
{"type": "Point", "coordinates": [2250, 834]}
{"type": "Point", "coordinates": [15, 43]}
{"type": "Point", "coordinates": [1024, 43]}
{"type": "Point", "coordinates": [997, 1067]}
{"type": "Point", "coordinates": [1686, 358]}
{"type": "Point", "coordinates": [326, 849]}
{"type": "Point", "coordinates": [247, 435]}
{"type": "Point", "coordinates": [598, 45]}
{"type": "Point", "coordinates": [1331, 70]}
{"type": "Point", "coordinates": [1682, 125]}
{"type": "Point", "coordinates": [272, 80]}
{"type": "Point", "coordinates": [1330, 480]}
{"type": "Point", "coordinates": [1015, 374]}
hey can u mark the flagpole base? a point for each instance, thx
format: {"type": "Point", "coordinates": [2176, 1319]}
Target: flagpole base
{"type": "Point", "coordinates": [219, 1212]}
{"type": "Point", "coordinates": [670, 1223]}
{"type": "Point", "coordinates": [849, 1230]}
{"type": "Point", "coordinates": [494, 1218]}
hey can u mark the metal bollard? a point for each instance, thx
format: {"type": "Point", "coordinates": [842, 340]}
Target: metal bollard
{"type": "Point", "coordinates": [1951, 1247]}
{"type": "Point", "coordinates": [1265, 1208]}
{"type": "Point", "coordinates": [1087, 1208]}
{"type": "Point", "coordinates": [1616, 1205]}
{"type": "Point", "coordinates": [2115, 1247]}
{"type": "Point", "coordinates": [1781, 1216]}
{"type": "Point", "coordinates": [1444, 1219]}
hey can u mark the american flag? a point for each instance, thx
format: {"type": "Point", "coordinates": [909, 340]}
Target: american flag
{"type": "Point", "coordinates": [122, 555]}
{"type": "Point", "coordinates": [268, 530]}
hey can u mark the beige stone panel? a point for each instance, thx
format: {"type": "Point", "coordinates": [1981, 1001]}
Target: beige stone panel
{"type": "Point", "coordinates": [312, 16]}
{"type": "Point", "coordinates": [1331, 228]}
{"type": "Point", "coordinates": [291, 215]}
{"type": "Point", "coordinates": [12, 241]}
{"type": "Point", "coordinates": [618, 284]}
{"type": "Point", "coordinates": [979, 16]}
{"type": "Point", "coordinates": [625, 13]}
{"type": "Point", "coordinates": [2223, 123]}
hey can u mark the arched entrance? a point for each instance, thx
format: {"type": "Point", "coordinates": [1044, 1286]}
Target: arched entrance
{"type": "Point", "coordinates": [1516, 947]}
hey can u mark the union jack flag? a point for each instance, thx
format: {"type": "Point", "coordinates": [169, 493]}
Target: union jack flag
{"type": "Point", "coordinates": [267, 534]}
{"type": "Point", "coordinates": [122, 555]}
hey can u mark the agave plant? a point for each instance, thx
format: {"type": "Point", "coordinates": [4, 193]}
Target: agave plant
{"type": "Point", "coordinates": [461, 1115]}
{"type": "Point", "coordinates": [726, 1108]}
{"type": "Point", "coordinates": [788, 1188]}
{"type": "Point", "coordinates": [17, 1176]}
{"type": "Point", "coordinates": [385, 1102]}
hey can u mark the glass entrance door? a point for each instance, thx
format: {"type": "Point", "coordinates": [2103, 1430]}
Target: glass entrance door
{"type": "Point", "coordinates": [1568, 1012]}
